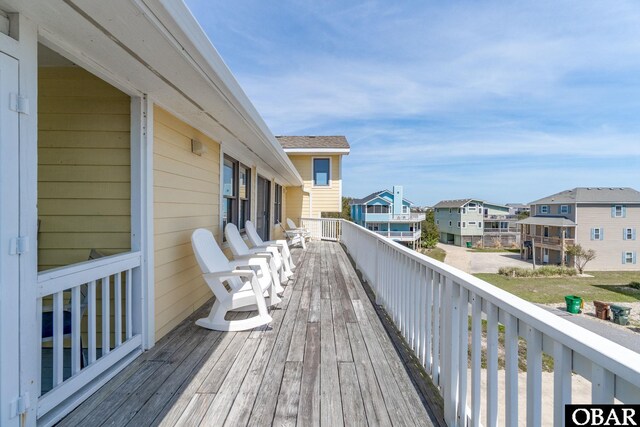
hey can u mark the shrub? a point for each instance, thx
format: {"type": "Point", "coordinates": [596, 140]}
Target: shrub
{"type": "Point", "coordinates": [546, 271]}
{"type": "Point", "coordinates": [634, 285]}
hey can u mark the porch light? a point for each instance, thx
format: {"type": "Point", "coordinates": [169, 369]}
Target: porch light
{"type": "Point", "coordinates": [198, 147]}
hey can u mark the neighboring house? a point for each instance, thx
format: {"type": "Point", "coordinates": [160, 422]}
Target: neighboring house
{"type": "Point", "coordinates": [121, 132]}
{"type": "Point", "coordinates": [603, 219]}
{"type": "Point", "coordinates": [318, 159]}
{"type": "Point", "coordinates": [474, 222]}
{"type": "Point", "coordinates": [389, 214]}
{"type": "Point", "coordinates": [518, 208]}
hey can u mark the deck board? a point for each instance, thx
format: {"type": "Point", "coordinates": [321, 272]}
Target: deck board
{"type": "Point", "coordinates": [326, 359]}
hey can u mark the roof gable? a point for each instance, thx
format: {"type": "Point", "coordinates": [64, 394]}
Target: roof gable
{"type": "Point", "coordinates": [605, 195]}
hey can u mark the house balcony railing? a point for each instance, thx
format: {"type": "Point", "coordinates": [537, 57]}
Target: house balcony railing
{"type": "Point", "coordinates": [390, 217]}
{"type": "Point", "coordinates": [400, 235]}
{"type": "Point", "coordinates": [550, 241]}
{"type": "Point", "coordinates": [442, 311]}
{"type": "Point", "coordinates": [500, 230]}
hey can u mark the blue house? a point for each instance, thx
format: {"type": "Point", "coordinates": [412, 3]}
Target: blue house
{"type": "Point", "coordinates": [388, 213]}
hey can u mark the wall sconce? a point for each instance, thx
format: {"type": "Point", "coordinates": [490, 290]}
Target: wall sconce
{"type": "Point", "coordinates": [198, 148]}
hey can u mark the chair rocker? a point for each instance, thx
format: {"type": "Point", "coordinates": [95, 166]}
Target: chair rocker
{"type": "Point", "coordinates": [247, 282]}
{"type": "Point", "coordinates": [241, 251]}
{"type": "Point", "coordinates": [280, 245]}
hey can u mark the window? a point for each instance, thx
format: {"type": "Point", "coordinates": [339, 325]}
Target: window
{"type": "Point", "coordinates": [458, 224]}
{"type": "Point", "coordinates": [544, 209]}
{"type": "Point", "coordinates": [564, 209]}
{"type": "Point", "coordinates": [450, 224]}
{"type": "Point", "coordinates": [597, 234]}
{"type": "Point", "coordinates": [378, 209]}
{"type": "Point", "coordinates": [472, 207]}
{"type": "Point", "coordinates": [472, 223]}
{"type": "Point", "coordinates": [629, 234]}
{"type": "Point", "coordinates": [405, 209]}
{"type": "Point", "coordinates": [321, 172]}
{"type": "Point", "coordinates": [628, 257]}
{"type": "Point", "coordinates": [277, 205]}
{"type": "Point", "coordinates": [437, 222]}
{"type": "Point", "coordinates": [464, 210]}
{"type": "Point", "coordinates": [229, 192]}
{"type": "Point", "coordinates": [236, 192]}
{"type": "Point", "coordinates": [464, 224]}
{"type": "Point", "coordinates": [244, 195]}
{"type": "Point", "coordinates": [480, 224]}
{"type": "Point", "coordinates": [449, 210]}
{"type": "Point", "coordinates": [618, 211]}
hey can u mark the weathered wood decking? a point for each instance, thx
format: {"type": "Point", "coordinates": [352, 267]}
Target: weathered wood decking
{"type": "Point", "coordinates": [325, 360]}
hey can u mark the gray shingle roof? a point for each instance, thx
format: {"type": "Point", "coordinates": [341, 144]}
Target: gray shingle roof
{"type": "Point", "coordinates": [593, 195]}
{"type": "Point", "coordinates": [458, 203]}
{"type": "Point", "coordinates": [373, 196]}
{"type": "Point", "coordinates": [556, 221]}
{"type": "Point", "coordinates": [339, 142]}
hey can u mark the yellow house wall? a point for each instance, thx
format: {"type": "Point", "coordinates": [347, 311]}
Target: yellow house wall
{"type": "Point", "coordinates": [83, 167]}
{"type": "Point", "coordinates": [186, 197]}
{"type": "Point", "coordinates": [319, 199]}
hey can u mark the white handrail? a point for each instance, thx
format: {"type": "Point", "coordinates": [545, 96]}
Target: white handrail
{"type": "Point", "coordinates": [429, 302]}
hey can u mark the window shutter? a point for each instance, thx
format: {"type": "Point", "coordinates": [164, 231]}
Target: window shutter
{"type": "Point", "coordinates": [624, 234]}
{"type": "Point", "coordinates": [624, 257]}
{"type": "Point", "coordinates": [633, 234]}
{"type": "Point", "coordinates": [624, 212]}
{"type": "Point", "coordinates": [569, 208]}
{"type": "Point", "coordinates": [593, 234]}
{"type": "Point", "coordinates": [601, 233]}
{"type": "Point", "coordinates": [613, 211]}
{"type": "Point", "coordinates": [634, 257]}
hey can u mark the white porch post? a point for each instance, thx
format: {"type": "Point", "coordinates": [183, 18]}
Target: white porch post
{"type": "Point", "coordinates": [30, 335]}
{"type": "Point", "coordinates": [142, 216]}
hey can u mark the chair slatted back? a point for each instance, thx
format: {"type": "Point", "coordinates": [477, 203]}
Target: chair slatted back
{"type": "Point", "coordinates": [252, 234]}
{"type": "Point", "coordinates": [237, 244]}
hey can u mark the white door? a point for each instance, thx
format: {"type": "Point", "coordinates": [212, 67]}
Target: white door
{"type": "Point", "coordinates": [9, 229]}
{"type": "Point", "coordinates": [545, 256]}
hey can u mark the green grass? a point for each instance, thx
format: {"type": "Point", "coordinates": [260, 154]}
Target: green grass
{"type": "Point", "coordinates": [500, 250]}
{"type": "Point", "coordinates": [611, 286]}
{"type": "Point", "coordinates": [435, 253]}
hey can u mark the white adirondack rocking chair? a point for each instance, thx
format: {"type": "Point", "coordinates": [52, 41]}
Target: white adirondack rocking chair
{"type": "Point", "coordinates": [247, 280]}
{"type": "Point", "coordinates": [240, 250]}
{"type": "Point", "coordinates": [280, 245]}
{"type": "Point", "coordinates": [297, 235]}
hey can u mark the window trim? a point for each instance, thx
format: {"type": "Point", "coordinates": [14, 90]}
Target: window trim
{"type": "Point", "coordinates": [247, 199]}
{"type": "Point", "coordinates": [615, 211]}
{"type": "Point", "coordinates": [626, 257]}
{"type": "Point", "coordinates": [597, 233]}
{"type": "Point", "coordinates": [544, 209]}
{"type": "Point", "coordinates": [313, 174]}
{"type": "Point", "coordinates": [564, 209]}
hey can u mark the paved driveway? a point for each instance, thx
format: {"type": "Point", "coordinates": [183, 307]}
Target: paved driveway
{"type": "Point", "coordinates": [481, 262]}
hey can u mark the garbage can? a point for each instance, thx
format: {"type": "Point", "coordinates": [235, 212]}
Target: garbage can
{"type": "Point", "coordinates": [469, 245]}
{"type": "Point", "coordinates": [620, 314]}
{"type": "Point", "coordinates": [573, 303]}
{"type": "Point", "coordinates": [602, 310]}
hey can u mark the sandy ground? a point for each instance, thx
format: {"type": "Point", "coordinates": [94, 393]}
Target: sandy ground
{"type": "Point", "coordinates": [580, 391]}
{"type": "Point", "coordinates": [481, 262]}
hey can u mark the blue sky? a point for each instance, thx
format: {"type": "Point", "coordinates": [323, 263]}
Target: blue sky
{"type": "Point", "coordinates": [505, 101]}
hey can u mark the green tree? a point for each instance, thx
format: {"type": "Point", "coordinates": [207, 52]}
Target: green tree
{"type": "Point", "coordinates": [346, 210]}
{"type": "Point", "coordinates": [523, 215]}
{"type": "Point", "coordinates": [430, 233]}
{"type": "Point", "coordinates": [581, 256]}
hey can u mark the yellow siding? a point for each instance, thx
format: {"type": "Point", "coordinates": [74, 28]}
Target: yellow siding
{"type": "Point", "coordinates": [186, 197]}
{"type": "Point", "coordinates": [321, 199]}
{"type": "Point", "coordinates": [83, 167]}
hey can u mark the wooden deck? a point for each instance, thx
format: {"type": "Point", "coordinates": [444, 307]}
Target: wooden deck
{"type": "Point", "coordinates": [325, 360]}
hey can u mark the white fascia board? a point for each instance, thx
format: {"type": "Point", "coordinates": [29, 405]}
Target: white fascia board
{"type": "Point", "coordinates": [344, 151]}
{"type": "Point", "coordinates": [204, 56]}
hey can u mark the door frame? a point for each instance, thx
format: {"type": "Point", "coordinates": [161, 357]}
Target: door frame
{"type": "Point", "coordinates": [10, 230]}
{"type": "Point", "coordinates": [266, 188]}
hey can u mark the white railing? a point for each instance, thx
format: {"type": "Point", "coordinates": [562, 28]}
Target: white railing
{"type": "Point", "coordinates": [389, 216]}
{"type": "Point", "coordinates": [322, 228]}
{"type": "Point", "coordinates": [104, 290]}
{"type": "Point", "coordinates": [441, 311]}
{"type": "Point", "coordinates": [412, 235]}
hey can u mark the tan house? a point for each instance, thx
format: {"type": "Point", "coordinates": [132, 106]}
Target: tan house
{"type": "Point", "coordinates": [603, 219]}
{"type": "Point", "coordinates": [318, 160]}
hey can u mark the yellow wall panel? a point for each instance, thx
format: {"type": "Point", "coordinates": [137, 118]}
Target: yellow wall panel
{"type": "Point", "coordinates": [186, 197]}
{"type": "Point", "coordinates": [316, 199]}
{"type": "Point", "coordinates": [83, 167]}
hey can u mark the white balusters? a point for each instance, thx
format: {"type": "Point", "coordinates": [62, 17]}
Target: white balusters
{"type": "Point", "coordinates": [492, 364]}
{"type": "Point", "coordinates": [511, 370]}
{"type": "Point", "coordinates": [117, 308]}
{"type": "Point", "coordinates": [106, 319]}
{"type": "Point", "coordinates": [58, 337]}
{"type": "Point", "coordinates": [476, 359]}
{"type": "Point", "coordinates": [128, 305]}
{"type": "Point", "coordinates": [463, 344]}
{"type": "Point", "coordinates": [534, 377]}
{"type": "Point", "coordinates": [561, 381]}
{"type": "Point", "coordinates": [91, 322]}
{"type": "Point", "coordinates": [76, 314]}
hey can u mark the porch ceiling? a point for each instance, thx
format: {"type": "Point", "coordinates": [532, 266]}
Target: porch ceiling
{"type": "Point", "coordinates": [156, 47]}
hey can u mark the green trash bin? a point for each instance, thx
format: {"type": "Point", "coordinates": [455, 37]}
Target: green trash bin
{"type": "Point", "coordinates": [573, 303]}
{"type": "Point", "coordinates": [469, 245]}
{"type": "Point", "coordinates": [620, 314]}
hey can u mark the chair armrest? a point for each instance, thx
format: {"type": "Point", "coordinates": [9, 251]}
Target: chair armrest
{"type": "Point", "coordinates": [231, 273]}
{"type": "Point", "coordinates": [262, 254]}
